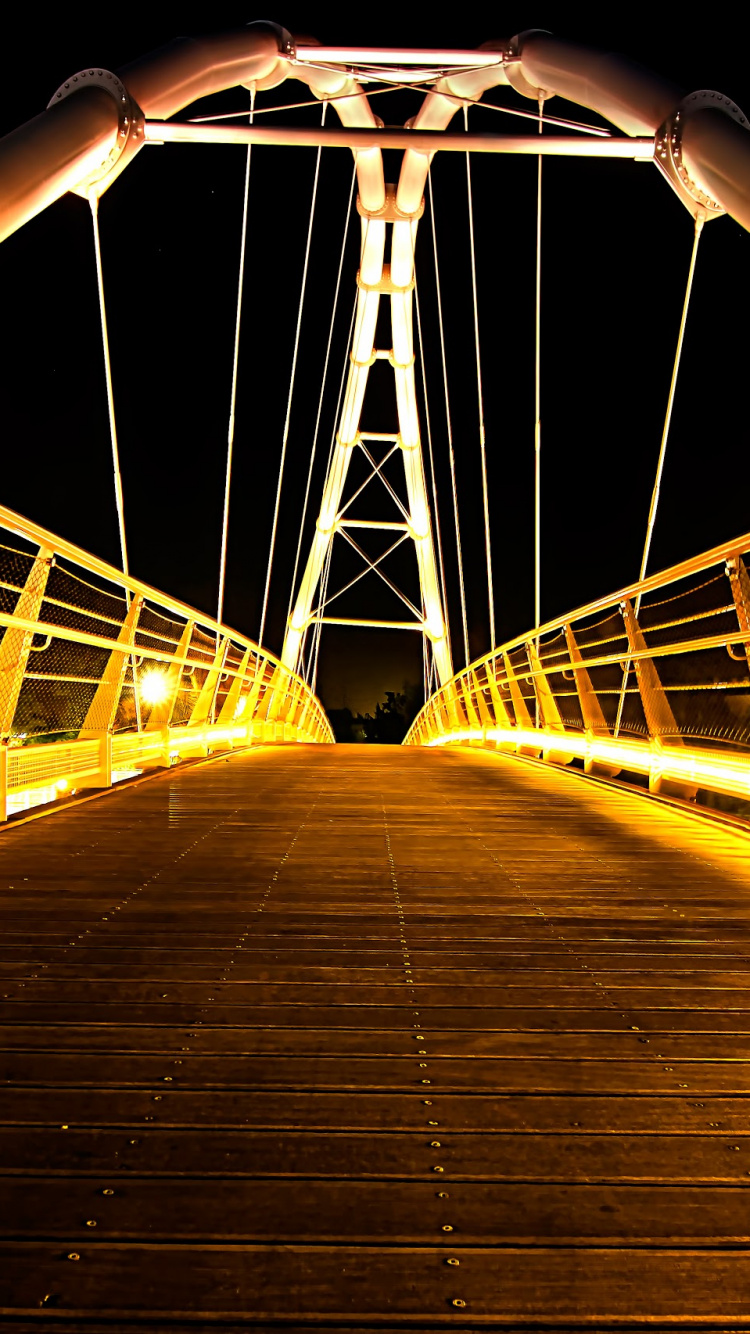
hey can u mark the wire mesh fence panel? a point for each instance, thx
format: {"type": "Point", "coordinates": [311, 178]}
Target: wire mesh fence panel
{"type": "Point", "coordinates": [654, 680]}
{"type": "Point", "coordinates": [124, 675]}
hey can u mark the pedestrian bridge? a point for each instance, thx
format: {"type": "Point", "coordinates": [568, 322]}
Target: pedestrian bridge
{"type": "Point", "coordinates": [300, 1035]}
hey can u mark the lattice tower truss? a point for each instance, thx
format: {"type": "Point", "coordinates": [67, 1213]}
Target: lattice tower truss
{"type": "Point", "coordinates": [388, 214]}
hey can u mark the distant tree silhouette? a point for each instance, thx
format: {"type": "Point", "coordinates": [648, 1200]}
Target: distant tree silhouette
{"type": "Point", "coordinates": [387, 726]}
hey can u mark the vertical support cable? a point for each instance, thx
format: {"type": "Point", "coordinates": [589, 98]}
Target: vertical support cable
{"type": "Point", "coordinates": [699, 221]}
{"type": "Point", "coordinates": [482, 448]}
{"type": "Point", "coordinates": [323, 384]}
{"type": "Point", "coordinates": [285, 435]}
{"type": "Point", "coordinates": [449, 426]}
{"type": "Point", "coordinates": [233, 394]}
{"type": "Point", "coordinates": [538, 389]}
{"type": "Point", "coordinates": [538, 401]}
{"type": "Point", "coordinates": [299, 666]}
{"type": "Point", "coordinates": [94, 203]}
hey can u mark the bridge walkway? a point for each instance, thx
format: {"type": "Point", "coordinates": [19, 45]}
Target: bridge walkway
{"type": "Point", "coordinates": [362, 1037]}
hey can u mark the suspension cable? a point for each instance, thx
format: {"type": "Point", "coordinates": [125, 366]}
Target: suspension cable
{"type": "Point", "coordinates": [322, 393]}
{"type": "Point", "coordinates": [285, 435]}
{"type": "Point", "coordinates": [94, 202]}
{"type": "Point", "coordinates": [538, 402]}
{"type": "Point", "coordinates": [538, 391]}
{"type": "Point", "coordinates": [579, 125]}
{"type": "Point", "coordinates": [449, 425]}
{"type": "Point", "coordinates": [670, 403]}
{"type": "Point", "coordinates": [301, 655]}
{"type": "Point", "coordinates": [119, 502]}
{"type": "Point", "coordinates": [480, 402]}
{"type": "Point", "coordinates": [699, 221]}
{"type": "Point", "coordinates": [432, 465]}
{"type": "Point", "coordinates": [235, 363]}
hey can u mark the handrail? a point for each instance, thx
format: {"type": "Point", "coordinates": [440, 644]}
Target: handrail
{"type": "Point", "coordinates": [130, 678]}
{"type": "Point", "coordinates": [33, 532]}
{"type": "Point", "coordinates": [555, 693]}
{"type": "Point", "coordinates": [739, 546]}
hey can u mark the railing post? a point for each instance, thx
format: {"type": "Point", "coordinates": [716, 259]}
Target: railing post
{"type": "Point", "coordinates": [466, 684]}
{"type": "Point", "coordinates": [252, 700]}
{"type": "Point", "coordinates": [300, 721]}
{"type": "Point", "coordinates": [201, 710]}
{"type": "Point", "coordinates": [162, 713]}
{"type": "Point", "coordinates": [102, 710]}
{"type": "Point", "coordinates": [103, 707]}
{"type": "Point", "coordinates": [16, 644]}
{"type": "Point", "coordinates": [594, 722]}
{"type": "Point", "coordinates": [453, 703]}
{"type": "Point", "coordinates": [484, 713]}
{"type": "Point", "coordinates": [548, 710]}
{"type": "Point", "coordinates": [521, 713]}
{"type": "Point", "coordinates": [232, 697]}
{"type": "Point", "coordinates": [740, 584]}
{"type": "Point", "coordinates": [3, 781]}
{"type": "Point", "coordinates": [438, 721]}
{"type": "Point", "coordinates": [660, 720]}
{"type": "Point", "coordinates": [105, 760]}
{"type": "Point", "coordinates": [287, 704]}
{"type": "Point", "coordinates": [296, 709]}
{"type": "Point", "coordinates": [499, 708]}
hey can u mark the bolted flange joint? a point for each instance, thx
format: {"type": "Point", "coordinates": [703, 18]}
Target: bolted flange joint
{"type": "Point", "coordinates": [668, 150]}
{"type": "Point", "coordinates": [130, 127]}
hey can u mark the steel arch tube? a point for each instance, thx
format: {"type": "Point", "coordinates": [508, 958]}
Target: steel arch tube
{"type": "Point", "coordinates": [49, 155]}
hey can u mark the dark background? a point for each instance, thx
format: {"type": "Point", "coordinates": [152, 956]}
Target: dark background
{"type": "Point", "coordinates": [616, 249]}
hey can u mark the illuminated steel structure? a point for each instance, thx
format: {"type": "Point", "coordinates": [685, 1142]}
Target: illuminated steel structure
{"type": "Point", "coordinates": [97, 121]}
{"type": "Point", "coordinates": [116, 677]}
{"type": "Point", "coordinates": [689, 646]}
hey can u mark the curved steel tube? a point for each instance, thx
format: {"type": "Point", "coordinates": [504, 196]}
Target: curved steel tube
{"type": "Point", "coordinates": [52, 153]}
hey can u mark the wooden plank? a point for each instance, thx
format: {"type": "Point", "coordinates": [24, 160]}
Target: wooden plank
{"type": "Point", "coordinates": [29, 1015]}
{"type": "Point", "coordinates": [433, 1074]}
{"type": "Point", "coordinates": [332, 975]}
{"type": "Point", "coordinates": [251, 958]}
{"type": "Point", "coordinates": [612, 1043]}
{"type": "Point", "coordinates": [168, 1150]}
{"type": "Point", "coordinates": [260, 1283]}
{"type": "Point", "coordinates": [394, 991]}
{"type": "Point", "coordinates": [374, 1111]}
{"type": "Point", "coordinates": [394, 1212]}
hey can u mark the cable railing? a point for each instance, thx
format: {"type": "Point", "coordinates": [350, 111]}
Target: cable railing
{"type": "Point", "coordinates": [652, 680]}
{"type": "Point", "coordinates": [102, 677]}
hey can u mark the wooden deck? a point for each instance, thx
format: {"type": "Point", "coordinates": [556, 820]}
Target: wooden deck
{"type": "Point", "coordinates": [364, 1037]}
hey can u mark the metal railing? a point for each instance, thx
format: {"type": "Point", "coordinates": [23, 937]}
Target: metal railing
{"type": "Point", "coordinates": [652, 680]}
{"type": "Point", "coordinates": [102, 676]}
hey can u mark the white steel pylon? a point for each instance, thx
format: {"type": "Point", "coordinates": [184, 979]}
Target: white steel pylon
{"type": "Point", "coordinates": [380, 206]}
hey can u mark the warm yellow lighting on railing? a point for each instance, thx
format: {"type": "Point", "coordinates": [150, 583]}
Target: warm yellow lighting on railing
{"type": "Point", "coordinates": [223, 690]}
{"type": "Point", "coordinates": [553, 701]}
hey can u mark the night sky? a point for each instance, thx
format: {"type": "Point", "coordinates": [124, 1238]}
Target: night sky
{"type": "Point", "coordinates": [616, 249]}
